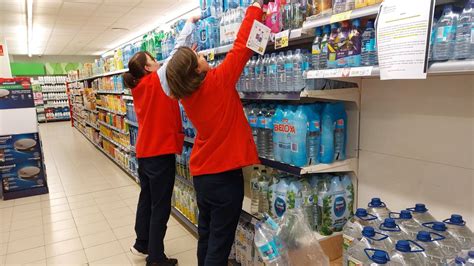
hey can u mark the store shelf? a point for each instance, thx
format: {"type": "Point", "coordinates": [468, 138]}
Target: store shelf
{"type": "Point", "coordinates": [313, 22]}
{"type": "Point", "coordinates": [58, 119]}
{"type": "Point", "coordinates": [189, 140]}
{"type": "Point", "coordinates": [185, 180]}
{"type": "Point", "coordinates": [132, 123]}
{"type": "Point", "coordinates": [128, 97]}
{"type": "Point", "coordinates": [113, 128]}
{"type": "Point", "coordinates": [135, 177]}
{"type": "Point", "coordinates": [349, 165]}
{"type": "Point", "coordinates": [348, 95]}
{"type": "Point", "coordinates": [109, 92]}
{"type": "Point", "coordinates": [117, 72]}
{"type": "Point", "coordinates": [110, 110]}
{"type": "Point", "coordinates": [183, 219]}
{"type": "Point", "coordinates": [126, 149]}
{"type": "Point", "coordinates": [53, 91]}
{"type": "Point", "coordinates": [92, 111]}
{"type": "Point", "coordinates": [92, 125]}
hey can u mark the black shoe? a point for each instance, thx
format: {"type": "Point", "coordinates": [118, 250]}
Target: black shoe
{"type": "Point", "coordinates": [166, 262]}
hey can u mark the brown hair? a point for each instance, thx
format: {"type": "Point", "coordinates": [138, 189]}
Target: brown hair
{"type": "Point", "coordinates": [136, 69]}
{"type": "Point", "coordinates": [181, 73]}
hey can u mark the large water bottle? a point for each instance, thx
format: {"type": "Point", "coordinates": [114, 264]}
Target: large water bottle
{"type": "Point", "coordinates": [243, 84]}
{"type": "Point", "coordinates": [407, 252]}
{"type": "Point", "coordinates": [263, 184]}
{"type": "Point", "coordinates": [308, 201]}
{"type": "Point", "coordinates": [298, 65]}
{"type": "Point", "coordinates": [378, 208]}
{"type": "Point", "coordinates": [265, 244]}
{"type": "Point", "coordinates": [259, 75]}
{"type": "Point", "coordinates": [391, 228]}
{"type": "Point", "coordinates": [313, 138]}
{"type": "Point", "coordinates": [420, 214]}
{"type": "Point", "coordinates": [288, 130]}
{"type": "Point", "coordinates": [251, 76]}
{"type": "Point", "coordinates": [282, 78]}
{"type": "Point", "coordinates": [464, 46]}
{"type": "Point", "coordinates": [371, 239]}
{"type": "Point", "coordinates": [451, 247]}
{"type": "Point", "coordinates": [277, 133]}
{"type": "Point", "coordinates": [253, 122]}
{"type": "Point", "coordinates": [261, 141]}
{"type": "Point", "coordinates": [268, 131]}
{"type": "Point", "coordinates": [323, 59]}
{"type": "Point", "coordinates": [352, 230]}
{"type": "Point", "coordinates": [255, 192]}
{"type": "Point", "coordinates": [322, 190]}
{"type": "Point", "coordinates": [458, 229]}
{"type": "Point", "coordinates": [445, 35]}
{"type": "Point", "coordinates": [368, 45]}
{"type": "Point", "coordinates": [265, 71]}
{"type": "Point", "coordinates": [407, 223]}
{"type": "Point", "coordinates": [272, 74]}
{"type": "Point", "coordinates": [316, 48]}
{"type": "Point", "coordinates": [289, 71]}
{"type": "Point", "coordinates": [298, 139]}
{"type": "Point", "coordinates": [433, 254]}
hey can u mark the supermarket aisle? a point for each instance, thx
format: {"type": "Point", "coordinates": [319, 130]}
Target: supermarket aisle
{"type": "Point", "coordinates": [88, 217]}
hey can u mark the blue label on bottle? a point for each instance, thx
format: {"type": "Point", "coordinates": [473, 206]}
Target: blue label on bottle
{"type": "Point", "coordinates": [267, 251]}
{"type": "Point", "coordinates": [445, 33]}
{"type": "Point", "coordinates": [280, 206]}
{"type": "Point", "coordinates": [339, 206]}
{"type": "Point", "coordinates": [289, 66]}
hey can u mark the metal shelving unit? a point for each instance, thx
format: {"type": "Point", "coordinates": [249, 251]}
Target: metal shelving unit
{"type": "Point", "coordinates": [113, 128]}
{"type": "Point", "coordinates": [110, 110]}
{"type": "Point", "coordinates": [110, 92]}
{"type": "Point", "coordinates": [131, 123]}
{"type": "Point", "coordinates": [126, 149]}
{"type": "Point", "coordinates": [102, 75]}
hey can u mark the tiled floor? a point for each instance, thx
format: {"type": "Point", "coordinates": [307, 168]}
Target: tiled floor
{"type": "Point", "coordinates": [87, 218]}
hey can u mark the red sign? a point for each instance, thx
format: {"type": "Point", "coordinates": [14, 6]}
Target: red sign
{"type": "Point", "coordinates": [1, 50]}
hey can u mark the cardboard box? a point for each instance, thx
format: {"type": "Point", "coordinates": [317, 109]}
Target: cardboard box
{"type": "Point", "coordinates": [16, 93]}
{"type": "Point", "coordinates": [332, 246]}
{"type": "Point", "coordinates": [22, 176]}
{"type": "Point", "coordinates": [19, 148]}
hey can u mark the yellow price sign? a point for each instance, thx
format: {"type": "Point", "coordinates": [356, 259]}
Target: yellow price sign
{"type": "Point", "coordinates": [341, 16]}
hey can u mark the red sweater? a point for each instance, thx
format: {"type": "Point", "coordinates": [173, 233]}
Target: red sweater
{"type": "Point", "coordinates": [224, 140]}
{"type": "Point", "coordinates": [160, 130]}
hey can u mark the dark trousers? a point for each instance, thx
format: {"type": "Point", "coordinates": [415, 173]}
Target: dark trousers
{"type": "Point", "coordinates": [157, 175]}
{"type": "Point", "coordinates": [219, 198]}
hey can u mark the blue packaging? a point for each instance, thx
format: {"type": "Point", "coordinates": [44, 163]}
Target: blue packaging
{"type": "Point", "coordinates": [21, 147]}
{"type": "Point", "coordinates": [334, 133]}
{"type": "Point", "coordinates": [298, 139]}
{"type": "Point", "coordinates": [22, 176]}
{"type": "Point", "coordinates": [16, 93]}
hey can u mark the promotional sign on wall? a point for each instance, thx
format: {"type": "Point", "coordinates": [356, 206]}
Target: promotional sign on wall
{"type": "Point", "coordinates": [5, 71]}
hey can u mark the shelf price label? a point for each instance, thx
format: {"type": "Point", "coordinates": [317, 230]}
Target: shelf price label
{"type": "Point", "coordinates": [315, 74]}
{"type": "Point", "coordinates": [361, 71]}
{"type": "Point", "coordinates": [282, 39]}
{"type": "Point", "coordinates": [341, 16]}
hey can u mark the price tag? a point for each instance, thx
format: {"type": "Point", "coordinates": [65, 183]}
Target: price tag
{"type": "Point", "coordinates": [258, 39]}
{"type": "Point", "coordinates": [296, 33]}
{"type": "Point", "coordinates": [281, 39]}
{"type": "Point", "coordinates": [333, 73]}
{"type": "Point", "coordinates": [341, 16]}
{"type": "Point", "coordinates": [315, 74]}
{"type": "Point", "coordinates": [361, 71]}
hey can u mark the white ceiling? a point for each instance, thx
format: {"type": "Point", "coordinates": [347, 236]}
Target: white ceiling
{"type": "Point", "coordinates": [83, 27]}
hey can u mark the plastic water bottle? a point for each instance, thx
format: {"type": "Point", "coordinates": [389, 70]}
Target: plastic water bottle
{"type": "Point", "coordinates": [261, 140]}
{"type": "Point", "coordinates": [407, 252]}
{"type": "Point", "coordinates": [352, 230]}
{"type": "Point", "coordinates": [243, 84]}
{"type": "Point", "coordinates": [289, 71]}
{"type": "Point", "coordinates": [263, 184]}
{"type": "Point", "coordinates": [458, 229]}
{"type": "Point", "coordinates": [368, 45]}
{"type": "Point", "coordinates": [298, 65]}
{"type": "Point", "coordinates": [450, 246]}
{"type": "Point", "coordinates": [288, 130]}
{"type": "Point", "coordinates": [253, 122]}
{"type": "Point", "coordinates": [316, 48]}
{"type": "Point", "coordinates": [277, 133]}
{"type": "Point", "coordinates": [391, 228]}
{"type": "Point", "coordinates": [298, 140]}
{"type": "Point", "coordinates": [255, 192]}
{"type": "Point", "coordinates": [420, 214]}
{"type": "Point", "coordinates": [313, 139]}
{"type": "Point", "coordinates": [378, 208]}
{"type": "Point", "coordinates": [445, 35]}
{"type": "Point", "coordinates": [433, 254]}
{"type": "Point", "coordinates": [265, 73]}
{"type": "Point", "coordinates": [268, 132]}
{"type": "Point", "coordinates": [370, 240]}
{"type": "Point", "coordinates": [251, 75]}
{"type": "Point", "coordinates": [323, 59]}
{"type": "Point", "coordinates": [355, 60]}
{"type": "Point", "coordinates": [282, 78]}
{"type": "Point", "coordinates": [272, 74]}
{"type": "Point", "coordinates": [407, 223]}
{"type": "Point", "coordinates": [265, 244]}
{"type": "Point", "coordinates": [308, 202]}
{"type": "Point", "coordinates": [259, 84]}
{"type": "Point", "coordinates": [464, 45]}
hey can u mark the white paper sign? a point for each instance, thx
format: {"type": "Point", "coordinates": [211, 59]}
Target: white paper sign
{"type": "Point", "coordinates": [258, 38]}
{"type": "Point", "coordinates": [281, 39]}
{"type": "Point", "coordinates": [403, 28]}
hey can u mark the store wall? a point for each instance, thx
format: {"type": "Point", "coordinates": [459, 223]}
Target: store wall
{"type": "Point", "coordinates": [417, 144]}
{"type": "Point", "coordinates": [53, 58]}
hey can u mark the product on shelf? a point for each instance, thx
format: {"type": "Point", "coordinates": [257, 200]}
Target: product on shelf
{"type": "Point", "coordinates": [109, 84]}
{"type": "Point", "coordinates": [113, 102]}
{"type": "Point", "coordinates": [182, 163]}
{"type": "Point", "coordinates": [189, 130]}
{"type": "Point", "coordinates": [184, 199]}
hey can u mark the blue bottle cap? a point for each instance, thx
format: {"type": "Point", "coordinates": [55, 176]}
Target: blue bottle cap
{"type": "Point", "coordinates": [375, 202]}
{"type": "Point", "coordinates": [423, 236]}
{"type": "Point", "coordinates": [389, 223]}
{"type": "Point", "coordinates": [470, 254]}
{"type": "Point", "coordinates": [460, 260]}
{"type": "Point", "coordinates": [420, 207]}
{"type": "Point", "coordinates": [361, 212]}
{"type": "Point", "coordinates": [403, 246]}
{"type": "Point", "coordinates": [456, 219]}
{"type": "Point", "coordinates": [439, 226]}
{"type": "Point", "coordinates": [380, 257]}
{"type": "Point", "coordinates": [356, 23]}
{"type": "Point", "coordinates": [405, 214]}
{"type": "Point", "coordinates": [370, 24]}
{"type": "Point", "coordinates": [368, 231]}
{"type": "Point", "coordinates": [319, 31]}
{"type": "Point", "coordinates": [327, 29]}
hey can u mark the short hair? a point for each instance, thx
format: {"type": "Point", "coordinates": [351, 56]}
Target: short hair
{"type": "Point", "coordinates": [136, 69]}
{"type": "Point", "coordinates": [181, 73]}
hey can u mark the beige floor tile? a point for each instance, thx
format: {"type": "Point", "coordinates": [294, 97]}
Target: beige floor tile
{"type": "Point", "coordinates": [85, 211]}
{"type": "Point", "coordinates": [121, 259]}
{"type": "Point", "coordinates": [2, 260]}
{"type": "Point", "coordinates": [27, 200]}
{"type": "Point", "coordinates": [3, 249]}
{"type": "Point", "coordinates": [110, 206]}
{"type": "Point", "coordinates": [56, 209]}
{"type": "Point", "coordinates": [116, 222]}
{"type": "Point", "coordinates": [5, 226]}
{"type": "Point", "coordinates": [54, 202]}
{"type": "Point", "coordinates": [58, 226]}
{"type": "Point", "coordinates": [53, 196]}
{"type": "Point", "coordinates": [103, 251]}
{"type": "Point", "coordinates": [61, 235]}
{"type": "Point", "coordinates": [187, 258]}
{"type": "Point", "coordinates": [35, 230]}
{"type": "Point", "coordinates": [172, 221]}
{"type": "Point", "coordinates": [24, 224]}
{"type": "Point", "coordinates": [124, 231]}
{"type": "Point", "coordinates": [180, 244]}
{"type": "Point", "coordinates": [89, 219]}
{"type": "Point", "coordinates": [57, 217]}
{"type": "Point", "coordinates": [101, 199]}
{"type": "Point", "coordinates": [175, 231]}
{"type": "Point", "coordinates": [25, 244]}
{"type": "Point", "coordinates": [22, 216]}
{"type": "Point", "coordinates": [93, 228]}
{"type": "Point", "coordinates": [27, 207]}
{"type": "Point", "coordinates": [98, 238]}
{"type": "Point", "coordinates": [63, 247]}
{"type": "Point", "coordinates": [117, 213]}
{"type": "Point", "coordinates": [82, 204]}
{"type": "Point", "coordinates": [126, 243]}
{"type": "Point", "coordinates": [26, 256]}
{"type": "Point", "coordinates": [136, 260]}
{"type": "Point", "coordinates": [72, 258]}
{"type": "Point", "coordinates": [36, 263]}
{"type": "Point", "coordinates": [4, 237]}
{"type": "Point", "coordinates": [6, 204]}
{"type": "Point", "coordinates": [79, 198]}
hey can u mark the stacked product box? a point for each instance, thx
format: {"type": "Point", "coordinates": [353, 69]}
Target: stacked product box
{"type": "Point", "coordinates": [22, 170]}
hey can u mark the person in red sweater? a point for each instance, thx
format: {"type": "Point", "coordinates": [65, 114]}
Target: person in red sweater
{"type": "Point", "coordinates": [224, 142]}
{"type": "Point", "coordinates": [160, 137]}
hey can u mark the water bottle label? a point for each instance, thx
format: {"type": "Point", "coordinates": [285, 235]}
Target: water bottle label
{"type": "Point", "coordinates": [280, 206]}
{"type": "Point", "coordinates": [472, 35]}
{"type": "Point", "coordinates": [289, 66]}
{"type": "Point", "coordinates": [316, 50]}
{"type": "Point", "coordinates": [268, 252]}
{"type": "Point", "coordinates": [347, 241]}
{"type": "Point", "coordinates": [445, 33]}
{"type": "Point", "coordinates": [351, 261]}
{"type": "Point", "coordinates": [368, 45]}
{"type": "Point", "coordinates": [294, 147]}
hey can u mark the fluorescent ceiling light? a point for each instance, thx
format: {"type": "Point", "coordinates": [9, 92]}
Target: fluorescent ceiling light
{"type": "Point", "coordinates": [29, 25]}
